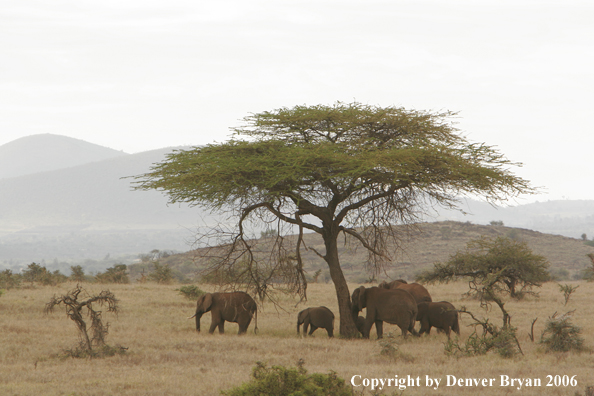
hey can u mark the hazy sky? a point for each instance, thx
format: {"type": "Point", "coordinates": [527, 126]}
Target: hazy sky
{"type": "Point", "coordinates": [137, 75]}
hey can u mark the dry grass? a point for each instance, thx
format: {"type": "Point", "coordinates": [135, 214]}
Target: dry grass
{"type": "Point", "coordinates": [167, 357]}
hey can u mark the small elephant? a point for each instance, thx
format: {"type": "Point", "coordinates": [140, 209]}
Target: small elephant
{"type": "Point", "coordinates": [418, 291]}
{"type": "Point", "coordinates": [236, 307]}
{"type": "Point", "coordinates": [316, 317]}
{"type": "Point", "coordinates": [395, 306]}
{"type": "Point", "coordinates": [360, 323]}
{"type": "Point", "coordinates": [441, 315]}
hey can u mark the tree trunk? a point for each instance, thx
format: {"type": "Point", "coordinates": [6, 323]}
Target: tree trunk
{"type": "Point", "coordinates": [348, 328]}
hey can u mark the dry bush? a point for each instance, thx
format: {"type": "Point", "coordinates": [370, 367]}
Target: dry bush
{"type": "Point", "coordinates": [93, 345]}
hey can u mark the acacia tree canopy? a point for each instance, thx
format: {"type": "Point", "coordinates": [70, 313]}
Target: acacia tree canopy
{"type": "Point", "coordinates": [346, 168]}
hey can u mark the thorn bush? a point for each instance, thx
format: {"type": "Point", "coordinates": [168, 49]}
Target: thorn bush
{"type": "Point", "coordinates": [560, 335]}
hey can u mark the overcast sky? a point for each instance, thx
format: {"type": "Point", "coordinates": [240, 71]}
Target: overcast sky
{"type": "Point", "coordinates": [136, 75]}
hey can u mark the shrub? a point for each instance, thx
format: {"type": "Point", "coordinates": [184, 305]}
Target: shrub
{"type": "Point", "coordinates": [162, 274]}
{"type": "Point", "coordinates": [92, 344]}
{"type": "Point", "coordinates": [279, 380]}
{"type": "Point", "coordinates": [40, 274]}
{"type": "Point", "coordinates": [77, 273]}
{"type": "Point", "coordinates": [191, 292]}
{"type": "Point", "coordinates": [115, 274]}
{"type": "Point", "coordinates": [567, 291]}
{"type": "Point", "coordinates": [503, 340]}
{"type": "Point", "coordinates": [560, 335]}
{"type": "Point", "coordinates": [8, 280]}
{"type": "Point", "coordinates": [588, 273]}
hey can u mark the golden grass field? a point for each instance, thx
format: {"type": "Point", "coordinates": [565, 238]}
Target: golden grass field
{"type": "Point", "coordinates": [166, 356]}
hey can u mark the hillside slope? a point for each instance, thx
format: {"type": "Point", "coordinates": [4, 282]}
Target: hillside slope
{"type": "Point", "coordinates": [428, 244]}
{"type": "Point", "coordinates": [47, 152]}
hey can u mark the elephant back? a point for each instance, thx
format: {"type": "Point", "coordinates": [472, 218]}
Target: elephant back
{"type": "Point", "coordinates": [419, 292]}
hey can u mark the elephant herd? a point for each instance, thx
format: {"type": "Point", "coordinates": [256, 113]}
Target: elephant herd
{"type": "Point", "coordinates": [397, 302]}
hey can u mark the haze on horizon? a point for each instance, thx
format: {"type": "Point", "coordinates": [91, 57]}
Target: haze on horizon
{"type": "Point", "coordinates": [135, 76]}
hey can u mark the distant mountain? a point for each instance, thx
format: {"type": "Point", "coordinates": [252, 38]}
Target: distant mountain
{"type": "Point", "coordinates": [46, 152]}
{"type": "Point", "coordinates": [563, 217]}
{"type": "Point", "coordinates": [96, 195]}
{"type": "Point", "coordinates": [90, 211]}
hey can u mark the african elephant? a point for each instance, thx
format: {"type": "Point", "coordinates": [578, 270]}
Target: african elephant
{"type": "Point", "coordinates": [394, 306]}
{"type": "Point", "coordinates": [316, 317]}
{"type": "Point", "coordinates": [419, 292]}
{"type": "Point", "coordinates": [236, 307]}
{"type": "Point", "coordinates": [441, 315]}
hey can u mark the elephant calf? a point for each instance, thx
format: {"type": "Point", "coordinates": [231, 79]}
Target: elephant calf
{"type": "Point", "coordinates": [317, 317]}
{"type": "Point", "coordinates": [441, 315]}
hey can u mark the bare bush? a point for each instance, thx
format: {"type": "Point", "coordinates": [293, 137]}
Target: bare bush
{"type": "Point", "coordinates": [75, 311]}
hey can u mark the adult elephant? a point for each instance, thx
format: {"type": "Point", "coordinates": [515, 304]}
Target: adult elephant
{"type": "Point", "coordinates": [236, 307]}
{"type": "Point", "coordinates": [418, 291]}
{"type": "Point", "coordinates": [395, 306]}
{"type": "Point", "coordinates": [442, 315]}
{"type": "Point", "coordinates": [316, 317]}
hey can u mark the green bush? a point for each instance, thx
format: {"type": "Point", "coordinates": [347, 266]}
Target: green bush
{"type": "Point", "coordinates": [40, 274]}
{"type": "Point", "coordinates": [8, 280]}
{"type": "Point", "coordinates": [115, 274]}
{"type": "Point", "coordinates": [77, 273]}
{"type": "Point", "coordinates": [560, 335]}
{"type": "Point", "coordinates": [161, 274]}
{"type": "Point", "coordinates": [279, 380]}
{"type": "Point", "coordinates": [191, 292]}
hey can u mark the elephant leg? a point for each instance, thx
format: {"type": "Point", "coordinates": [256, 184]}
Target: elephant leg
{"type": "Point", "coordinates": [244, 322]}
{"type": "Point", "coordinates": [222, 327]}
{"type": "Point", "coordinates": [424, 326]}
{"type": "Point", "coordinates": [379, 328]}
{"type": "Point", "coordinates": [447, 331]}
{"type": "Point", "coordinates": [330, 332]}
{"type": "Point", "coordinates": [305, 327]}
{"type": "Point", "coordinates": [213, 326]}
{"type": "Point", "coordinates": [313, 328]}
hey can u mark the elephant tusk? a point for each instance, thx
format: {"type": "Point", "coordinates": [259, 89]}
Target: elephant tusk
{"type": "Point", "coordinates": [191, 317]}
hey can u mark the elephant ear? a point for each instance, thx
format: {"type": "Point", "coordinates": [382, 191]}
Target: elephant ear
{"type": "Point", "coordinates": [362, 297]}
{"type": "Point", "coordinates": [207, 302]}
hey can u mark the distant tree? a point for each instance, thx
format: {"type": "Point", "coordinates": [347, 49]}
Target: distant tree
{"type": "Point", "coordinates": [496, 223]}
{"type": "Point", "coordinates": [40, 274]}
{"type": "Point", "coordinates": [588, 273]}
{"type": "Point", "coordinates": [493, 267]}
{"type": "Point", "coordinates": [77, 273]}
{"type": "Point", "coordinates": [8, 280]}
{"type": "Point", "coordinates": [161, 274]}
{"type": "Point", "coordinates": [347, 169]}
{"type": "Point", "coordinates": [584, 237]}
{"type": "Point", "coordinates": [115, 274]}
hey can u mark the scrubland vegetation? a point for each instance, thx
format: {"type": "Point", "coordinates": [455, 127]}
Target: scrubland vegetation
{"type": "Point", "coordinates": [166, 356]}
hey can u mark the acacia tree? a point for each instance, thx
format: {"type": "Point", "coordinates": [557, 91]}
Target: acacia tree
{"type": "Point", "coordinates": [349, 169]}
{"type": "Point", "coordinates": [493, 267]}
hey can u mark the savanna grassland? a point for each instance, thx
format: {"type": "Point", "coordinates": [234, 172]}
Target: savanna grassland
{"type": "Point", "coordinates": [166, 356]}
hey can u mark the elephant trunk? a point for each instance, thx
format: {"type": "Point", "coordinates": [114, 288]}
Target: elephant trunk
{"type": "Point", "coordinates": [198, 315]}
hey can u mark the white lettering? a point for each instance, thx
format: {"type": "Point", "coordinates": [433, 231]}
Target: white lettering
{"type": "Point", "coordinates": [429, 382]}
{"type": "Point", "coordinates": [451, 380]}
{"type": "Point", "coordinates": [353, 380]}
